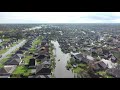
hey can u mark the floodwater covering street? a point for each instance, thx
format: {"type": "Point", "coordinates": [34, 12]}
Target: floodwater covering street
{"type": "Point", "coordinates": [61, 61]}
{"type": "Point", "coordinates": [12, 49]}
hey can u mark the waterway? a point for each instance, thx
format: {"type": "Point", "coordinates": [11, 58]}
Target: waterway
{"type": "Point", "coordinates": [61, 59]}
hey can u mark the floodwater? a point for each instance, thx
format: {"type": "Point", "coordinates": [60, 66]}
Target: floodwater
{"type": "Point", "coordinates": [61, 61]}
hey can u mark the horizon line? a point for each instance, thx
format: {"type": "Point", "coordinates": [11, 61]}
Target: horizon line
{"type": "Point", "coordinates": [59, 23]}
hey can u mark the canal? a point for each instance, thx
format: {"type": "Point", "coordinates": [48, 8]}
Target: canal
{"type": "Point", "coordinates": [61, 59]}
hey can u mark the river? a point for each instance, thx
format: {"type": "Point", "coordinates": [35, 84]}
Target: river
{"type": "Point", "coordinates": [60, 70]}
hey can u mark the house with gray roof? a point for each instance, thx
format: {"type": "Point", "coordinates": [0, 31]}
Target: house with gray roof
{"type": "Point", "coordinates": [13, 61]}
{"type": "Point", "coordinates": [18, 56]}
{"type": "Point", "coordinates": [6, 71]}
{"type": "Point", "coordinates": [43, 69]}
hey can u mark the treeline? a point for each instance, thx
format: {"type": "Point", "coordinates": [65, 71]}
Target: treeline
{"type": "Point", "coordinates": [6, 27]}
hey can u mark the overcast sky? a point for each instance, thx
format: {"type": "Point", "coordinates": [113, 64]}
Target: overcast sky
{"type": "Point", "coordinates": [59, 17]}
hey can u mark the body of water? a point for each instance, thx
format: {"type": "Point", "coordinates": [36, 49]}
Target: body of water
{"type": "Point", "coordinates": [61, 62]}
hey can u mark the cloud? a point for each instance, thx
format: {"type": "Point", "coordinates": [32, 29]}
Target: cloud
{"type": "Point", "coordinates": [59, 17]}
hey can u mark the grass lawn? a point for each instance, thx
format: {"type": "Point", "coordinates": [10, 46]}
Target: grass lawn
{"type": "Point", "coordinates": [1, 65]}
{"type": "Point", "coordinates": [68, 66]}
{"type": "Point", "coordinates": [116, 54]}
{"type": "Point", "coordinates": [38, 62]}
{"type": "Point", "coordinates": [35, 42]}
{"type": "Point", "coordinates": [32, 50]}
{"type": "Point", "coordinates": [4, 50]}
{"type": "Point", "coordinates": [7, 39]}
{"type": "Point", "coordinates": [28, 72]}
{"type": "Point", "coordinates": [81, 65]}
{"type": "Point", "coordinates": [27, 58]}
{"type": "Point", "coordinates": [4, 60]}
{"type": "Point", "coordinates": [104, 74]}
{"type": "Point", "coordinates": [1, 44]}
{"type": "Point", "coordinates": [78, 70]}
{"type": "Point", "coordinates": [14, 44]}
{"type": "Point", "coordinates": [22, 70]}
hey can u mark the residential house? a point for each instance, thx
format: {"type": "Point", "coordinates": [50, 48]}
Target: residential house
{"type": "Point", "coordinates": [1, 47]}
{"type": "Point", "coordinates": [5, 45]}
{"type": "Point", "coordinates": [19, 52]}
{"type": "Point", "coordinates": [78, 57]}
{"type": "Point", "coordinates": [43, 69]}
{"type": "Point", "coordinates": [100, 65]}
{"type": "Point", "coordinates": [43, 49]}
{"type": "Point", "coordinates": [47, 62]}
{"type": "Point", "coordinates": [6, 71]}
{"type": "Point", "coordinates": [13, 61]}
{"type": "Point", "coordinates": [9, 43]}
{"type": "Point", "coordinates": [23, 48]}
{"type": "Point", "coordinates": [114, 59]}
{"type": "Point", "coordinates": [83, 58]}
{"type": "Point", "coordinates": [43, 42]}
{"type": "Point", "coordinates": [31, 63]}
{"type": "Point", "coordinates": [115, 72]}
{"type": "Point", "coordinates": [35, 54]}
{"type": "Point", "coordinates": [18, 56]}
{"type": "Point", "coordinates": [41, 56]}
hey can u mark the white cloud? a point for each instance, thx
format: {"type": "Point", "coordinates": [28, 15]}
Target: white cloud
{"type": "Point", "coordinates": [59, 17]}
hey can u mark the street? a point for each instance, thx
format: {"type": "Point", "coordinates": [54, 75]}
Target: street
{"type": "Point", "coordinates": [12, 49]}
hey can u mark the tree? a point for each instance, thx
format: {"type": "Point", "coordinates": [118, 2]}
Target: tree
{"type": "Point", "coordinates": [94, 54]}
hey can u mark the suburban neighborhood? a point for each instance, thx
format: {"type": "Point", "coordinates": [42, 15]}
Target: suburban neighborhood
{"type": "Point", "coordinates": [60, 51]}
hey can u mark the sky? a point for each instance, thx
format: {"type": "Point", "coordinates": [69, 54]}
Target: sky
{"type": "Point", "coordinates": [59, 17]}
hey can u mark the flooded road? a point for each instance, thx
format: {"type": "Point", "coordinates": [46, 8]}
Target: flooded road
{"type": "Point", "coordinates": [61, 61]}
